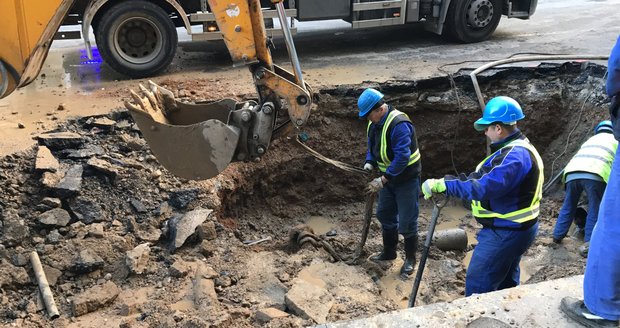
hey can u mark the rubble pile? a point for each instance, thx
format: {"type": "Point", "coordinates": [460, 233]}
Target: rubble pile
{"type": "Point", "coordinates": [124, 243]}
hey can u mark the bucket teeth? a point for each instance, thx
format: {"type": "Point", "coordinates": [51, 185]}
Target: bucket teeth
{"type": "Point", "coordinates": [192, 141]}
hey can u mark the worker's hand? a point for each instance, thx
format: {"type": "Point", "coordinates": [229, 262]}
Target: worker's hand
{"type": "Point", "coordinates": [431, 186]}
{"type": "Point", "coordinates": [375, 185]}
{"type": "Point", "coordinates": [368, 167]}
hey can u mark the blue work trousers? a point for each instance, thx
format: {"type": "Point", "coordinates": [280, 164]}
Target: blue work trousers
{"type": "Point", "coordinates": [398, 207]}
{"type": "Point", "coordinates": [594, 191]}
{"type": "Point", "coordinates": [495, 262]}
{"type": "Point", "coordinates": [601, 284]}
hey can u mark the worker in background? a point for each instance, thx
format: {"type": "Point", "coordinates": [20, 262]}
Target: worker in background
{"type": "Point", "coordinates": [601, 283]}
{"type": "Point", "coordinates": [505, 193]}
{"type": "Point", "coordinates": [393, 149]}
{"type": "Point", "coordinates": [587, 171]}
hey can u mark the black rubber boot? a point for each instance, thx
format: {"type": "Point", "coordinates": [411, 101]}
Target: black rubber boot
{"type": "Point", "coordinates": [411, 245]}
{"type": "Point", "coordinates": [390, 240]}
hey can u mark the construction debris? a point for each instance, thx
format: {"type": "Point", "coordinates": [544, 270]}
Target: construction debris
{"type": "Point", "coordinates": [110, 218]}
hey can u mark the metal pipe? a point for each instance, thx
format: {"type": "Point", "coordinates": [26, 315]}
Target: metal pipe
{"type": "Point", "coordinates": [521, 59]}
{"type": "Point", "coordinates": [451, 239]}
{"type": "Point", "coordinates": [552, 181]}
{"type": "Point", "coordinates": [290, 46]}
{"type": "Point", "coordinates": [44, 287]}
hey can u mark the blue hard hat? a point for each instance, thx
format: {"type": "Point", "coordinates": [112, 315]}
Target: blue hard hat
{"type": "Point", "coordinates": [368, 100]}
{"type": "Point", "coordinates": [499, 110]}
{"type": "Point", "coordinates": [604, 126]}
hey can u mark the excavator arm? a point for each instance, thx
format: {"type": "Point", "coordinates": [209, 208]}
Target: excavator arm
{"type": "Point", "coordinates": [197, 141]}
{"type": "Point", "coordinates": [192, 140]}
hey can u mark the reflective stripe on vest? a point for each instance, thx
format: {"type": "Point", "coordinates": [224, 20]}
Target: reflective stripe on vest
{"type": "Point", "coordinates": [595, 156]}
{"type": "Point", "coordinates": [385, 162]}
{"type": "Point", "coordinates": [521, 215]}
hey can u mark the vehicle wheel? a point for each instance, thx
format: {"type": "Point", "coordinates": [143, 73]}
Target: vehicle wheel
{"type": "Point", "coordinates": [473, 20]}
{"type": "Point", "coordinates": [136, 38]}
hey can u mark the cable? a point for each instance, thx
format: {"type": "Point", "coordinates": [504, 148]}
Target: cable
{"type": "Point", "coordinates": [550, 183]}
{"type": "Point", "coordinates": [511, 59]}
{"type": "Point", "coordinates": [341, 165]}
{"type": "Point", "coordinates": [583, 105]}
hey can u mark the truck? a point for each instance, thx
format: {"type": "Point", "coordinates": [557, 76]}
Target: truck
{"type": "Point", "coordinates": [192, 140]}
{"type": "Point", "coordinates": [139, 37]}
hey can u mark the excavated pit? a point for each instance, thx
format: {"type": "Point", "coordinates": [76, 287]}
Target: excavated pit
{"type": "Point", "coordinates": [288, 187]}
{"type": "Point", "coordinates": [291, 187]}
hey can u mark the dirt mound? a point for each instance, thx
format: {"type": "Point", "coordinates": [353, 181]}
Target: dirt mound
{"type": "Point", "coordinates": [125, 243]}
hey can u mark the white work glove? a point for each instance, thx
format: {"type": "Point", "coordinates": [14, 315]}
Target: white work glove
{"type": "Point", "coordinates": [375, 185]}
{"type": "Point", "coordinates": [368, 167]}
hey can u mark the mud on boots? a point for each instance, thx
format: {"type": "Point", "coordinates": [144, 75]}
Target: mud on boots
{"type": "Point", "coordinates": [393, 150]}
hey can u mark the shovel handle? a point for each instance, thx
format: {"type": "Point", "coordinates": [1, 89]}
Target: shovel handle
{"type": "Point", "coordinates": [438, 203]}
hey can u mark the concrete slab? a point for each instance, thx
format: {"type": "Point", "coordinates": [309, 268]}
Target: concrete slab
{"type": "Point", "coordinates": [535, 305]}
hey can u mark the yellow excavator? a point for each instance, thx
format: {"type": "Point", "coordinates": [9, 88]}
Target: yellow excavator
{"type": "Point", "coordinates": [192, 140]}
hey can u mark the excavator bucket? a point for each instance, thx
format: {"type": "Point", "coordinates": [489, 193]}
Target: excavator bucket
{"type": "Point", "coordinates": [192, 141]}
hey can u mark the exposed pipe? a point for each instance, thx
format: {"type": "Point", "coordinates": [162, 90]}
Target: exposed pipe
{"type": "Point", "coordinates": [521, 59]}
{"type": "Point", "coordinates": [44, 287]}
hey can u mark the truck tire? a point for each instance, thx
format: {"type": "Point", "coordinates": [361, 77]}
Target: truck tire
{"type": "Point", "coordinates": [470, 21]}
{"type": "Point", "coordinates": [136, 38]}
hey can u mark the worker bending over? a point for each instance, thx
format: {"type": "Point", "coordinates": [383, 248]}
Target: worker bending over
{"type": "Point", "coordinates": [505, 193]}
{"type": "Point", "coordinates": [587, 171]}
{"type": "Point", "coordinates": [601, 282]}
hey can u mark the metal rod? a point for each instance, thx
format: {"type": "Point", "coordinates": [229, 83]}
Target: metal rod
{"type": "Point", "coordinates": [521, 59]}
{"type": "Point", "coordinates": [437, 206]}
{"type": "Point", "coordinates": [290, 46]}
{"type": "Point", "coordinates": [44, 287]}
{"type": "Point", "coordinates": [258, 241]}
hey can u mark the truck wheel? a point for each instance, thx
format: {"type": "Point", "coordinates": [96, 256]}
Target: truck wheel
{"type": "Point", "coordinates": [473, 20]}
{"type": "Point", "coordinates": [136, 38]}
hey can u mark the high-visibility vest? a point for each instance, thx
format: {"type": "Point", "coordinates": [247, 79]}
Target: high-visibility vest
{"type": "Point", "coordinates": [384, 161]}
{"type": "Point", "coordinates": [595, 156]}
{"type": "Point", "coordinates": [520, 215]}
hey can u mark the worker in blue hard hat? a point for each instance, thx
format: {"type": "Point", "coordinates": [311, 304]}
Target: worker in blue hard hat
{"type": "Point", "coordinates": [601, 282]}
{"type": "Point", "coordinates": [505, 192]}
{"type": "Point", "coordinates": [588, 171]}
{"type": "Point", "coordinates": [393, 149]}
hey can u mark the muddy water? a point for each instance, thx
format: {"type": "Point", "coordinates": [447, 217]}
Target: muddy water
{"type": "Point", "coordinates": [70, 80]}
{"type": "Point", "coordinates": [320, 225]}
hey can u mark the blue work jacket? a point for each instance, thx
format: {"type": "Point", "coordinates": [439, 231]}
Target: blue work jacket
{"type": "Point", "coordinates": [506, 182]}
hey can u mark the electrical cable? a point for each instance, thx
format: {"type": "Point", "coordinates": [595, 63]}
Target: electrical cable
{"type": "Point", "coordinates": [550, 183]}
{"type": "Point", "coordinates": [510, 59]}
{"type": "Point", "coordinates": [341, 165]}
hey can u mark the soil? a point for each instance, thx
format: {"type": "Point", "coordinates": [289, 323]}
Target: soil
{"type": "Point", "coordinates": [286, 188]}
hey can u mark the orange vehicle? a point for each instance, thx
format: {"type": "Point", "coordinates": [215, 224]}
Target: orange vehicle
{"type": "Point", "coordinates": [193, 141]}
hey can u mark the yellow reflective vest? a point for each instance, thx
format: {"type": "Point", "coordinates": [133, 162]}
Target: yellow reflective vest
{"type": "Point", "coordinates": [595, 156]}
{"type": "Point", "coordinates": [521, 215]}
{"type": "Point", "coordinates": [383, 162]}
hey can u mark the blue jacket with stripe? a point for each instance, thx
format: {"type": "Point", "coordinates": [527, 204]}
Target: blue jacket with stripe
{"type": "Point", "coordinates": [402, 141]}
{"type": "Point", "coordinates": [506, 182]}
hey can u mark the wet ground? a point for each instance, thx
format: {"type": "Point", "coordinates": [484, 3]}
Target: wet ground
{"type": "Point", "coordinates": [270, 198]}
{"type": "Point", "coordinates": [289, 187]}
{"type": "Point", "coordinates": [330, 53]}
